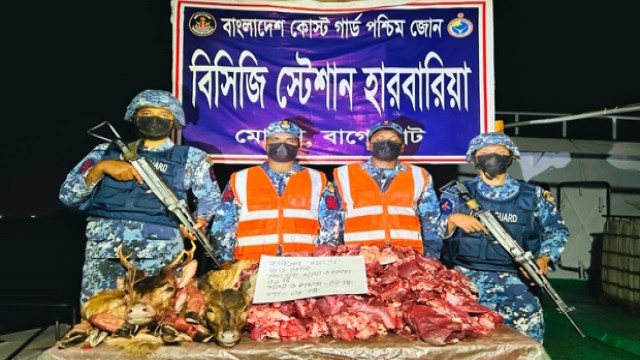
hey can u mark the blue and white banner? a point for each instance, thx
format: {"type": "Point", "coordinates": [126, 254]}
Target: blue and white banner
{"type": "Point", "coordinates": [335, 69]}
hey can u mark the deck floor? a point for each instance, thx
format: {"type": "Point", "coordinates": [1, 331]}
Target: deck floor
{"type": "Point", "coordinates": [612, 329]}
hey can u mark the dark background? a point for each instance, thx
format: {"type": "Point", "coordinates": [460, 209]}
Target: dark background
{"type": "Point", "coordinates": [68, 65]}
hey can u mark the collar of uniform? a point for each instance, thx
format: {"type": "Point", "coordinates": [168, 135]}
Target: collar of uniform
{"type": "Point", "coordinates": [502, 192]}
{"type": "Point", "coordinates": [369, 165]}
{"type": "Point", "coordinates": [296, 167]}
{"type": "Point", "coordinates": [166, 145]}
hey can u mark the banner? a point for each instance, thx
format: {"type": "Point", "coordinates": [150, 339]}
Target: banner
{"type": "Point", "coordinates": [335, 69]}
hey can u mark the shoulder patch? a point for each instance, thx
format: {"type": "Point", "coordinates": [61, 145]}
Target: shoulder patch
{"type": "Point", "coordinates": [227, 195]}
{"type": "Point", "coordinates": [446, 206]}
{"type": "Point", "coordinates": [86, 165]}
{"type": "Point", "coordinates": [547, 196]}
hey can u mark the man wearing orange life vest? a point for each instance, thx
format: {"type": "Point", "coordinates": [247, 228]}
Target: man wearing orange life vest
{"type": "Point", "coordinates": [385, 201]}
{"type": "Point", "coordinates": [278, 206]}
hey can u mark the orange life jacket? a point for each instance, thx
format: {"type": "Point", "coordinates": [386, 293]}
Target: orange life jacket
{"type": "Point", "coordinates": [376, 218]}
{"type": "Point", "coordinates": [267, 221]}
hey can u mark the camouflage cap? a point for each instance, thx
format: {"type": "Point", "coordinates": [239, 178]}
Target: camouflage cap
{"type": "Point", "coordinates": [283, 127]}
{"type": "Point", "coordinates": [155, 98]}
{"type": "Point", "coordinates": [387, 124]}
{"type": "Point", "coordinates": [491, 138]}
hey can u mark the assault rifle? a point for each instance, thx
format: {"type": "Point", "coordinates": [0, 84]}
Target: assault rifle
{"type": "Point", "coordinates": [158, 187]}
{"type": "Point", "coordinates": [506, 240]}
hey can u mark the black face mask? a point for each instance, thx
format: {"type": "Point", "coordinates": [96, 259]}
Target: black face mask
{"type": "Point", "coordinates": [493, 164]}
{"type": "Point", "coordinates": [385, 150]}
{"type": "Point", "coordinates": [153, 127]}
{"type": "Point", "coordinates": [282, 152]}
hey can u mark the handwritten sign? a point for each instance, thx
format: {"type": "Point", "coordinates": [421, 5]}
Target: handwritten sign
{"type": "Point", "coordinates": [291, 278]}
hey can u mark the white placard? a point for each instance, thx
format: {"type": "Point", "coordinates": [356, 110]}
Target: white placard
{"type": "Point", "coordinates": [289, 278]}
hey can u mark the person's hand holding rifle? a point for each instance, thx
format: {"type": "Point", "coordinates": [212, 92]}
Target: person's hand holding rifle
{"type": "Point", "coordinates": [533, 270]}
{"type": "Point", "coordinates": [144, 173]}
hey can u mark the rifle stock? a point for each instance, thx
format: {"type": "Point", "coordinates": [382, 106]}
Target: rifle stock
{"type": "Point", "coordinates": [524, 259]}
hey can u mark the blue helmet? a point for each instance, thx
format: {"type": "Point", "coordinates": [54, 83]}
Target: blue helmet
{"type": "Point", "coordinates": [387, 125]}
{"type": "Point", "coordinates": [283, 127]}
{"type": "Point", "coordinates": [491, 138]}
{"type": "Point", "coordinates": [155, 98]}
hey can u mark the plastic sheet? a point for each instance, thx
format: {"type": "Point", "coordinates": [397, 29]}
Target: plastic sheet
{"type": "Point", "coordinates": [504, 343]}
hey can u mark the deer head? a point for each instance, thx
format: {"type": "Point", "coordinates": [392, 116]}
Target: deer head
{"type": "Point", "coordinates": [150, 298]}
{"type": "Point", "coordinates": [228, 306]}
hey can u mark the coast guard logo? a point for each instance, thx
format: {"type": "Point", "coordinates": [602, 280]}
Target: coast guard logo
{"type": "Point", "coordinates": [202, 24]}
{"type": "Point", "coordinates": [547, 196]}
{"type": "Point", "coordinates": [460, 27]}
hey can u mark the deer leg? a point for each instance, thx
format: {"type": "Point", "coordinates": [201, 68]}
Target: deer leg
{"type": "Point", "coordinates": [196, 306]}
{"type": "Point", "coordinates": [197, 332]}
{"type": "Point", "coordinates": [76, 335]}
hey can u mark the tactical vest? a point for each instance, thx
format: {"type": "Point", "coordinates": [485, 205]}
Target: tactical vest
{"type": "Point", "coordinates": [483, 252]}
{"type": "Point", "coordinates": [129, 200]}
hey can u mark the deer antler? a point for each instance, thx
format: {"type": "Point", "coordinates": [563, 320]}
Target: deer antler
{"type": "Point", "coordinates": [133, 273]}
{"type": "Point", "coordinates": [176, 261]}
{"type": "Point", "coordinates": [123, 260]}
{"type": "Point", "coordinates": [190, 253]}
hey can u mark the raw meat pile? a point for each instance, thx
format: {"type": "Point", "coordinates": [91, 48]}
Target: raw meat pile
{"type": "Point", "coordinates": [409, 294]}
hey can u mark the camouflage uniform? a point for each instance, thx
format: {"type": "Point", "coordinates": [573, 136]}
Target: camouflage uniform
{"type": "Point", "coordinates": [428, 210]}
{"type": "Point", "coordinates": [504, 291]}
{"type": "Point", "coordinates": [152, 245]}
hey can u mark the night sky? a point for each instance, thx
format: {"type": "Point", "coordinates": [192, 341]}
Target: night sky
{"type": "Point", "coordinates": [550, 56]}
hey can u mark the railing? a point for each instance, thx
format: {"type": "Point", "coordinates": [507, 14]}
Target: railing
{"type": "Point", "coordinates": [519, 119]}
{"type": "Point", "coordinates": [28, 311]}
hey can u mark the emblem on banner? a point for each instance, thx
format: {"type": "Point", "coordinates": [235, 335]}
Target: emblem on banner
{"type": "Point", "coordinates": [460, 27]}
{"type": "Point", "coordinates": [202, 24]}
